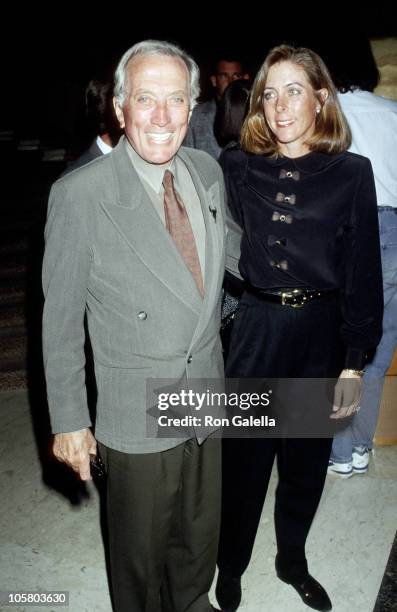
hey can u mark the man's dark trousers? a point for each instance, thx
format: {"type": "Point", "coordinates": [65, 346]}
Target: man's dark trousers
{"type": "Point", "coordinates": [163, 521]}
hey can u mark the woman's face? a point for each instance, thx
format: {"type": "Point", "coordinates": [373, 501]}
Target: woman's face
{"type": "Point", "coordinates": [291, 106]}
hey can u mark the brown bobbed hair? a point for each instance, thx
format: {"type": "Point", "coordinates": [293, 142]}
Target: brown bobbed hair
{"type": "Point", "coordinates": [331, 132]}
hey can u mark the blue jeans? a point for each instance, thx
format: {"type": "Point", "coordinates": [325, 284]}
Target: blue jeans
{"type": "Point", "coordinates": [360, 431]}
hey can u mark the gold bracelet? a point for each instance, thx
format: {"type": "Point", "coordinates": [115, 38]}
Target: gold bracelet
{"type": "Point", "coordinates": [354, 372]}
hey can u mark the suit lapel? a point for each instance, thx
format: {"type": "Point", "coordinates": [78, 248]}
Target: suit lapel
{"type": "Point", "coordinates": [209, 197]}
{"type": "Point", "coordinates": [140, 226]}
{"type": "Point", "coordinates": [206, 198]}
{"type": "Point", "coordinates": [138, 223]}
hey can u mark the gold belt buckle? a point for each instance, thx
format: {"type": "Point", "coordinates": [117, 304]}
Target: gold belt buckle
{"type": "Point", "coordinates": [291, 295]}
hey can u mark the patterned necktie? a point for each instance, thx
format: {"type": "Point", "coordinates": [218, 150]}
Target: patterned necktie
{"type": "Point", "coordinates": [178, 224]}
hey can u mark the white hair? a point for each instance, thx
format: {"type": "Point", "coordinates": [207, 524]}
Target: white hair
{"type": "Point", "coordinates": [156, 47]}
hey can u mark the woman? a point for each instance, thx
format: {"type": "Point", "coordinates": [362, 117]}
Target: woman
{"type": "Point", "coordinates": [313, 301]}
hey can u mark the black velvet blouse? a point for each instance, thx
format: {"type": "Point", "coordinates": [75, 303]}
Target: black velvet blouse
{"type": "Point", "coordinates": [312, 222]}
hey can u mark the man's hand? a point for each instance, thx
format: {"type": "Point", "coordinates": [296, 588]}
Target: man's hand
{"type": "Point", "coordinates": [74, 449]}
{"type": "Point", "coordinates": [347, 395]}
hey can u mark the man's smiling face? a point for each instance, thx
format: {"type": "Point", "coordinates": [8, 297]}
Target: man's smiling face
{"type": "Point", "coordinates": [155, 111]}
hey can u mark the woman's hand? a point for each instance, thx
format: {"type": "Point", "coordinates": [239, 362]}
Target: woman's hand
{"type": "Point", "coordinates": [347, 394]}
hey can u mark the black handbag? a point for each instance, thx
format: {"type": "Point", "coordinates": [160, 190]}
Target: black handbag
{"type": "Point", "coordinates": [233, 288]}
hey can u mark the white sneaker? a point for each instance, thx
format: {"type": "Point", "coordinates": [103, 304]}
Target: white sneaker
{"type": "Point", "coordinates": [343, 470]}
{"type": "Point", "coordinates": [360, 459]}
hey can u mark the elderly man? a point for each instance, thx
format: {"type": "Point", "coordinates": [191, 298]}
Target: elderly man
{"type": "Point", "coordinates": [136, 240]}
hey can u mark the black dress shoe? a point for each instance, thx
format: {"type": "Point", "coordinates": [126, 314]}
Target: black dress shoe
{"type": "Point", "coordinates": [228, 592]}
{"type": "Point", "coordinates": [311, 593]}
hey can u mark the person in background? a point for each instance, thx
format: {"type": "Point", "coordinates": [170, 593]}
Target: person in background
{"type": "Point", "coordinates": [101, 122]}
{"type": "Point", "coordinates": [131, 240]}
{"type": "Point", "coordinates": [200, 133]}
{"type": "Point", "coordinates": [231, 111]}
{"type": "Point", "coordinates": [309, 254]}
{"type": "Point", "coordinates": [373, 124]}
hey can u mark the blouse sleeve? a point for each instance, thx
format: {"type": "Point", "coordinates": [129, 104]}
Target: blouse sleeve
{"type": "Point", "coordinates": [362, 294]}
{"type": "Point", "coordinates": [232, 164]}
{"type": "Point", "coordinates": [232, 167]}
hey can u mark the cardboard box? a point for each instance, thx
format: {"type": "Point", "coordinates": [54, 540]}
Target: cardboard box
{"type": "Point", "coordinates": [386, 430]}
{"type": "Point", "coordinates": [392, 371]}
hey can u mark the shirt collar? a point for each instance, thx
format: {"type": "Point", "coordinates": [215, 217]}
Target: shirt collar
{"type": "Point", "coordinates": [103, 146]}
{"type": "Point", "coordinates": [153, 174]}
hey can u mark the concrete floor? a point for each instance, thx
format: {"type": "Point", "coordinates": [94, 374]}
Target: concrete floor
{"type": "Point", "coordinates": [49, 543]}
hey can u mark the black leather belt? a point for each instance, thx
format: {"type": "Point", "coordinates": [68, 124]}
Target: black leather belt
{"type": "Point", "coordinates": [296, 298]}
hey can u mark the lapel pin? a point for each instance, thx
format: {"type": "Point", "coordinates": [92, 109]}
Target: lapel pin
{"type": "Point", "coordinates": [213, 212]}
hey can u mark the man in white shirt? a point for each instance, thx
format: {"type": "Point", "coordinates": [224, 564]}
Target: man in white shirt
{"type": "Point", "coordinates": [373, 122]}
{"type": "Point", "coordinates": [102, 122]}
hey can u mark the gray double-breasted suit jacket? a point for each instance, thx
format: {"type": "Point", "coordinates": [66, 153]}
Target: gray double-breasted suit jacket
{"type": "Point", "coordinates": [109, 254]}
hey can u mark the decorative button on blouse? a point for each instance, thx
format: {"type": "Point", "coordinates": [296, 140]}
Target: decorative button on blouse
{"type": "Point", "coordinates": [289, 174]}
{"type": "Point", "coordinates": [283, 218]}
{"type": "Point", "coordinates": [280, 265]}
{"type": "Point", "coordinates": [289, 199]}
{"type": "Point", "coordinates": [272, 240]}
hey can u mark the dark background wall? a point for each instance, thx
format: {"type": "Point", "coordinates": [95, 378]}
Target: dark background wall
{"type": "Point", "coordinates": [50, 54]}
